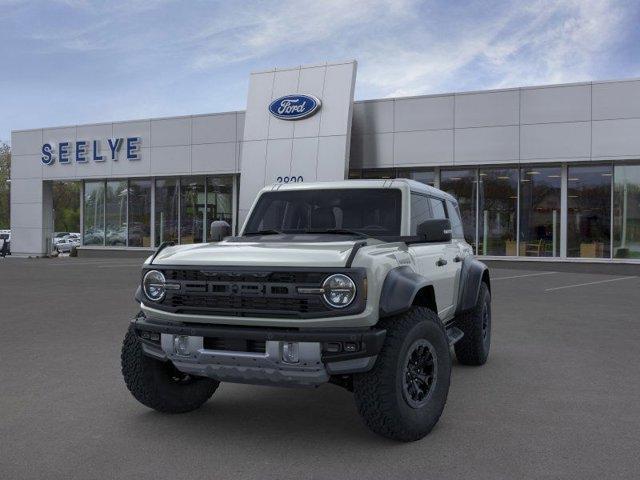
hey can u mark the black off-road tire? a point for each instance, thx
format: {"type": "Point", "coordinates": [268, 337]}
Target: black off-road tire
{"type": "Point", "coordinates": [380, 394]}
{"type": "Point", "coordinates": [159, 385]}
{"type": "Point", "coordinates": [473, 348]}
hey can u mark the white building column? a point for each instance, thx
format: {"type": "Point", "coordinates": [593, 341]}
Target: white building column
{"type": "Point", "coordinates": [564, 202]}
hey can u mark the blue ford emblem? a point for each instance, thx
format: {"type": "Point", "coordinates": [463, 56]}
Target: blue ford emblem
{"type": "Point", "coordinates": [294, 107]}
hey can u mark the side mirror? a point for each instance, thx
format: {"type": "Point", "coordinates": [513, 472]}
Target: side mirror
{"type": "Point", "coordinates": [219, 230]}
{"type": "Point", "coordinates": [435, 230]}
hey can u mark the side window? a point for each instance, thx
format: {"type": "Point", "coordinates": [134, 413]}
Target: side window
{"type": "Point", "coordinates": [437, 206]}
{"type": "Point", "coordinates": [420, 211]}
{"type": "Point", "coordinates": [456, 223]}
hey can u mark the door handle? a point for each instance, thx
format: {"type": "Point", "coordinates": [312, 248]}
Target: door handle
{"type": "Point", "coordinates": [457, 258]}
{"type": "Point", "coordinates": [441, 262]}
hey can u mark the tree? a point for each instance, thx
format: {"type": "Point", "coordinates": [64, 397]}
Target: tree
{"type": "Point", "coordinates": [5, 168]}
{"type": "Point", "coordinates": [66, 205]}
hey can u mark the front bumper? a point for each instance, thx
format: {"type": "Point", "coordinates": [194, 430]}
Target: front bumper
{"type": "Point", "coordinates": [317, 362]}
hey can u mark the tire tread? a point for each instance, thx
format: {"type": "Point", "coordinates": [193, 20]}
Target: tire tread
{"type": "Point", "coordinates": [144, 379]}
{"type": "Point", "coordinates": [375, 392]}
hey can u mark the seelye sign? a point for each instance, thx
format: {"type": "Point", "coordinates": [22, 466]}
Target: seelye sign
{"type": "Point", "coordinates": [294, 107]}
{"type": "Point", "coordinates": [82, 151]}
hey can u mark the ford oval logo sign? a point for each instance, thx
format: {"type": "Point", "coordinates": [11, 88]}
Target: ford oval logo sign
{"type": "Point", "coordinates": [294, 107]}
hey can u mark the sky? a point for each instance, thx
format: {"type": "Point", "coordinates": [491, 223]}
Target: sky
{"type": "Point", "coordinates": [76, 61]}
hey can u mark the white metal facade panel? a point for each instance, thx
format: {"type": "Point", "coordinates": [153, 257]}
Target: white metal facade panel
{"type": "Point", "coordinates": [430, 147]}
{"type": "Point", "coordinates": [486, 145]}
{"type": "Point", "coordinates": [556, 104]}
{"type": "Point", "coordinates": [337, 101]}
{"type": "Point", "coordinates": [487, 109]}
{"type": "Point", "coordinates": [171, 132]}
{"type": "Point", "coordinates": [331, 164]}
{"type": "Point", "coordinates": [214, 158]}
{"type": "Point", "coordinates": [214, 128]}
{"type": "Point", "coordinates": [27, 142]}
{"type": "Point", "coordinates": [303, 158]}
{"type": "Point", "coordinates": [613, 100]}
{"type": "Point", "coordinates": [26, 166]}
{"type": "Point", "coordinates": [372, 151]}
{"type": "Point", "coordinates": [311, 82]}
{"type": "Point", "coordinates": [555, 141]}
{"type": "Point", "coordinates": [616, 138]}
{"type": "Point", "coordinates": [425, 113]}
{"type": "Point", "coordinates": [372, 117]}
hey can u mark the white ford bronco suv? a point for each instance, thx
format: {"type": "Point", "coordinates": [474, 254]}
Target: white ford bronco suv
{"type": "Point", "coordinates": [362, 283]}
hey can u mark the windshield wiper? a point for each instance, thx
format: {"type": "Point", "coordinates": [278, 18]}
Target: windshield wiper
{"type": "Point", "coordinates": [339, 231]}
{"type": "Point", "coordinates": [270, 231]}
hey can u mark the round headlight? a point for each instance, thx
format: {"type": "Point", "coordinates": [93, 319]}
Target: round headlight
{"type": "Point", "coordinates": [339, 290]}
{"type": "Point", "coordinates": [153, 285]}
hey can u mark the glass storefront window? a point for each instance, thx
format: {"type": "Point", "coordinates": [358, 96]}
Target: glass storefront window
{"type": "Point", "coordinates": [626, 208]}
{"type": "Point", "coordinates": [139, 230]}
{"type": "Point", "coordinates": [219, 200]}
{"type": "Point", "coordinates": [116, 213]}
{"type": "Point", "coordinates": [589, 211]}
{"type": "Point", "coordinates": [166, 210]}
{"type": "Point", "coordinates": [192, 210]}
{"type": "Point", "coordinates": [540, 193]}
{"type": "Point", "coordinates": [93, 229]}
{"type": "Point", "coordinates": [498, 211]}
{"type": "Point", "coordinates": [119, 212]}
{"type": "Point", "coordinates": [462, 185]}
{"type": "Point", "coordinates": [427, 177]}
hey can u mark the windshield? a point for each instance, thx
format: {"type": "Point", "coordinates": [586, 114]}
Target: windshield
{"type": "Point", "coordinates": [370, 211]}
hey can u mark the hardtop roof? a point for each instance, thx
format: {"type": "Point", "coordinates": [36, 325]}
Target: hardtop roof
{"type": "Point", "coordinates": [413, 185]}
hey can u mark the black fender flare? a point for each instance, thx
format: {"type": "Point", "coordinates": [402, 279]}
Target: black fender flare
{"type": "Point", "coordinates": [472, 274]}
{"type": "Point", "coordinates": [399, 290]}
{"type": "Point", "coordinates": [138, 296]}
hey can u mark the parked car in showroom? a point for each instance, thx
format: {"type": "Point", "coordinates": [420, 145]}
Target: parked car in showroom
{"type": "Point", "coordinates": [65, 245]}
{"type": "Point", "coordinates": [5, 242]}
{"type": "Point", "coordinates": [57, 236]}
{"type": "Point", "coordinates": [366, 284]}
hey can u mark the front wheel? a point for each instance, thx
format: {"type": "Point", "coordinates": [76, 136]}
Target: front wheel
{"type": "Point", "coordinates": [404, 394]}
{"type": "Point", "coordinates": [159, 385]}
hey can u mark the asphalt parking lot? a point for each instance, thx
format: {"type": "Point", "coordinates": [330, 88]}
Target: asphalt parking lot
{"type": "Point", "coordinates": [559, 397]}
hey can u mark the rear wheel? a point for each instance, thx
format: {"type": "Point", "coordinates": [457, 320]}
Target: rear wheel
{"type": "Point", "coordinates": [160, 385]}
{"type": "Point", "coordinates": [404, 394]}
{"type": "Point", "coordinates": [473, 348]}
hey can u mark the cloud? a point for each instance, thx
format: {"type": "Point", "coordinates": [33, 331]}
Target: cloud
{"type": "Point", "coordinates": [410, 47]}
{"type": "Point", "coordinates": [546, 42]}
{"type": "Point", "coordinates": [404, 47]}
{"type": "Point", "coordinates": [258, 31]}
{"type": "Point", "coordinates": [542, 42]}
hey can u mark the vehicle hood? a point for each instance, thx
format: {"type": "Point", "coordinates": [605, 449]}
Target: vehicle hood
{"type": "Point", "coordinates": [259, 254]}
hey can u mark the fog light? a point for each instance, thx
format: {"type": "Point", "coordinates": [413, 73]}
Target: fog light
{"type": "Point", "coordinates": [290, 352]}
{"type": "Point", "coordinates": [350, 347]}
{"type": "Point", "coordinates": [181, 345]}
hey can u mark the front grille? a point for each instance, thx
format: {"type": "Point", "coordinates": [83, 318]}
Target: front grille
{"type": "Point", "coordinates": [256, 293]}
{"type": "Point", "coordinates": [234, 344]}
{"type": "Point", "coordinates": [233, 276]}
{"type": "Point", "coordinates": [237, 305]}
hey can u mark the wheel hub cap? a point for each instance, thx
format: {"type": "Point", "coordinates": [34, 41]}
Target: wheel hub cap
{"type": "Point", "coordinates": [419, 373]}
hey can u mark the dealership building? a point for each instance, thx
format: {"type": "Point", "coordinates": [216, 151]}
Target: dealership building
{"type": "Point", "coordinates": [541, 173]}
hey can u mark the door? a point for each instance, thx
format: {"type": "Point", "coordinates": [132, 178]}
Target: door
{"type": "Point", "coordinates": [450, 264]}
{"type": "Point", "coordinates": [463, 249]}
{"type": "Point", "coordinates": [434, 261]}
